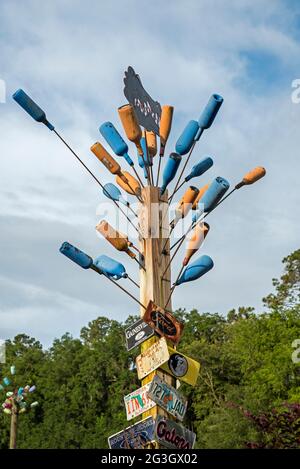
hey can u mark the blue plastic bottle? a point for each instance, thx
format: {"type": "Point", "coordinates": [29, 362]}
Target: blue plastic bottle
{"type": "Point", "coordinates": [110, 267]}
{"type": "Point", "coordinates": [200, 168]}
{"type": "Point", "coordinates": [77, 256]}
{"type": "Point", "coordinates": [31, 107]}
{"type": "Point", "coordinates": [170, 170]}
{"type": "Point", "coordinates": [196, 269]}
{"type": "Point", "coordinates": [186, 139]}
{"type": "Point", "coordinates": [115, 141]}
{"type": "Point", "coordinates": [214, 193]}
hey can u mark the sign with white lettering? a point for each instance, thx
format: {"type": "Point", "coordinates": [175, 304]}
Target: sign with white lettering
{"type": "Point", "coordinates": [163, 322]}
{"type": "Point", "coordinates": [167, 397]}
{"type": "Point", "coordinates": [138, 402]}
{"type": "Point", "coordinates": [134, 437]}
{"type": "Point", "coordinates": [137, 333]}
{"type": "Point", "coordinates": [152, 358]}
{"type": "Point", "coordinates": [173, 435]}
{"type": "Point", "coordinates": [182, 367]}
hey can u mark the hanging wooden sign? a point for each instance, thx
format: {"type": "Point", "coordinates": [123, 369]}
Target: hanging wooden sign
{"type": "Point", "coordinates": [163, 322]}
{"type": "Point", "coordinates": [147, 110]}
{"type": "Point", "coordinates": [152, 358]}
{"type": "Point", "coordinates": [167, 397]}
{"type": "Point", "coordinates": [134, 437]}
{"type": "Point", "coordinates": [138, 402]}
{"type": "Point", "coordinates": [173, 435]}
{"type": "Point", "coordinates": [137, 333]}
{"type": "Point", "coordinates": [182, 367]}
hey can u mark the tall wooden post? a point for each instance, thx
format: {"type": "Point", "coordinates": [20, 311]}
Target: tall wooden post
{"type": "Point", "coordinates": [13, 428]}
{"type": "Point", "coordinates": [154, 222]}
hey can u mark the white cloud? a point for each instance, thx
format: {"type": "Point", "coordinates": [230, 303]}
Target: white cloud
{"type": "Point", "coordinates": [71, 59]}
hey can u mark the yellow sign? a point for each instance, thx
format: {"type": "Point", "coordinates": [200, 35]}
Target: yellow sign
{"type": "Point", "coordinates": [182, 367]}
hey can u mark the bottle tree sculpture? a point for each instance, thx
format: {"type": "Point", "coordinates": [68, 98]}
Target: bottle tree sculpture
{"type": "Point", "coordinates": [17, 402]}
{"type": "Point", "coordinates": [160, 366]}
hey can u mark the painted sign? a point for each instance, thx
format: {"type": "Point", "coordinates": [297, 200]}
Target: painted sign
{"type": "Point", "coordinates": [163, 322]}
{"type": "Point", "coordinates": [173, 435]}
{"type": "Point", "coordinates": [182, 367]}
{"type": "Point", "coordinates": [138, 402]}
{"type": "Point", "coordinates": [134, 437]}
{"type": "Point", "coordinates": [152, 358]}
{"type": "Point", "coordinates": [137, 333]}
{"type": "Point", "coordinates": [147, 110]}
{"type": "Point", "coordinates": [167, 397]}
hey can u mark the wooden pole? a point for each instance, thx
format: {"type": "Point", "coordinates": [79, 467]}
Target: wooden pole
{"type": "Point", "coordinates": [154, 225]}
{"type": "Point", "coordinates": [13, 428]}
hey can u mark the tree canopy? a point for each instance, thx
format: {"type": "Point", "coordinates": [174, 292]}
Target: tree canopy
{"type": "Point", "coordinates": [247, 394]}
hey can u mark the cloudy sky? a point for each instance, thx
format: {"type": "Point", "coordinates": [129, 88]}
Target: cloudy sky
{"type": "Point", "coordinates": [70, 56]}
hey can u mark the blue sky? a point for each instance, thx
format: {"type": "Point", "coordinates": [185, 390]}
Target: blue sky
{"type": "Point", "coordinates": [71, 56]}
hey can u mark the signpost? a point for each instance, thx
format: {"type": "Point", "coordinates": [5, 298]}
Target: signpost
{"type": "Point", "coordinates": [136, 436]}
{"type": "Point", "coordinates": [138, 402]}
{"type": "Point", "coordinates": [159, 362]}
{"type": "Point", "coordinates": [168, 398]}
{"type": "Point", "coordinates": [137, 333]}
{"type": "Point", "coordinates": [173, 435]}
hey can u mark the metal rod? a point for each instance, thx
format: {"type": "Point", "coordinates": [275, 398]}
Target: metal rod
{"type": "Point", "coordinates": [167, 239]}
{"type": "Point", "coordinates": [131, 280]}
{"type": "Point", "coordinates": [179, 187]}
{"type": "Point", "coordinates": [129, 294]}
{"type": "Point", "coordinates": [183, 169]}
{"type": "Point", "coordinates": [93, 267]}
{"type": "Point", "coordinates": [151, 170]}
{"type": "Point", "coordinates": [131, 209]}
{"type": "Point", "coordinates": [137, 175]}
{"type": "Point", "coordinates": [174, 286]}
{"type": "Point", "coordinates": [148, 160]}
{"type": "Point", "coordinates": [133, 247]}
{"type": "Point", "coordinates": [180, 241]}
{"type": "Point", "coordinates": [158, 171]}
{"type": "Point", "coordinates": [177, 249]}
{"type": "Point", "coordinates": [141, 265]}
{"type": "Point", "coordinates": [94, 177]}
{"type": "Point", "coordinates": [221, 201]}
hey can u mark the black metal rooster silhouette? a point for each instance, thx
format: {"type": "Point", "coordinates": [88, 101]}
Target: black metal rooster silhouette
{"type": "Point", "coordinates": [147, 110]}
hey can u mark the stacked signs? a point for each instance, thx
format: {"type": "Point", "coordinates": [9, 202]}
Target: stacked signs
{"type": "Point", "coordinates": [159, 355]}
{"type": "Point", "coordinates": [168, 433]}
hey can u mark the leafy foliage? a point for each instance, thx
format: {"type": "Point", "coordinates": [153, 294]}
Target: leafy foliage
{"type": "Point", "coordinates": [247, 395]}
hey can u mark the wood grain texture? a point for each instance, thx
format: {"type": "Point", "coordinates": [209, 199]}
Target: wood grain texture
{"type": "Point", "coordinates": [154, 223]}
